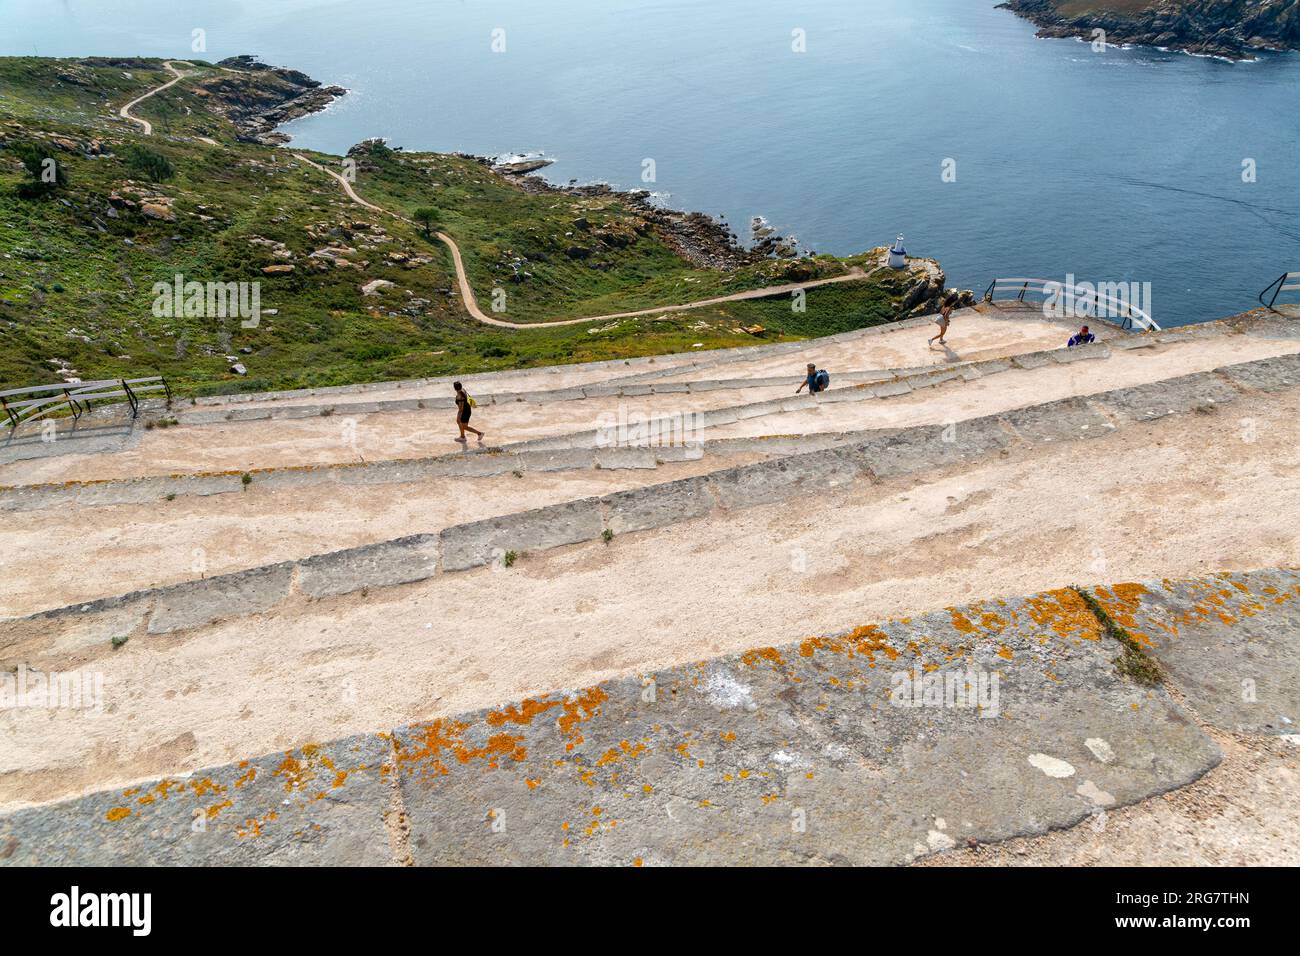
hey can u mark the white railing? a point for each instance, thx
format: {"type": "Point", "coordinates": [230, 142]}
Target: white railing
{"type": "Point", "coordinates": [28, 404]}
{"type": "Point", "coordinates": [1129, 315]}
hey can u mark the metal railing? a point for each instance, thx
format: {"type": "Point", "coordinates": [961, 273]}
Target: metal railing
{"type": "Point", "coordinates": [1132, 316]}
{"type": "Point", "coordinates": [1279, 285]}
{"type": "Point", "coordinates": [28, 404]}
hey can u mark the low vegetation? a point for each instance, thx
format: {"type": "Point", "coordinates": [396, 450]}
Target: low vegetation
{"type": "Point", "coordinates": [1133, 662]}
{"type": "Point", "coordinates": [89, 258]}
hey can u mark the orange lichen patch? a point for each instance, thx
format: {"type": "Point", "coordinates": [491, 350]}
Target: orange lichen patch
{"type": "Point", "coordinates": [869, 640]}
{"type": "Point", "coordinates": [297, 773]}
{"type": "Point", "coordinates": [253, 827]}
{"type": "Point", "coordinates": [497, 746]}
{"type": "Point", "coordinates": [767, 654]}
{"type": "Point", "coordinates": [1122, 602]}
{"type": "Point", "coordinates": [1064, 613]}
{"type": "Point", "coordinates": [206, 786]}
{"type": "Point", "coordinates": [446, 737]}
{"type": "Point", "coordinates": [523, 714]}
{"type": "Point", "coordinates": [624, 749]}
{"type": "Point", "coordinates": [578, 710]}
{"type": "Point", "coordinates": [1005, 652]}
{"type": "Point", "coordinates": [728, 735]}
{"type": "Point", "coordinates": [646, 788]}
{"type": "Point", "coordinates": [443, 735]}
{"type": "Point", "coordinates": [961, 622]}
{"type": "Point", "coordinates": [638, 862]}
{"type": "Point", "coordinates": [216, 808]}
{"type": "Point", "coordinates": [533, 784]}
{"type": "Point", "coordinates": [246, 778]}
{"type": "Point", "coordinates": [117, 813]}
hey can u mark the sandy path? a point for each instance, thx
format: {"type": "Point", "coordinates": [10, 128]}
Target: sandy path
{"type": "Point", "coordinates": [145, 125]}
{"type": "Point", "coordinates": [984, 334]}
{"type": "Point", "coordinates": [238, 446]}
{"type": "Point", "coordinates": [1014, 389]}
{"type": "Point", "coordinates": [575, 616]}
{"type": "Point", "coordinates": [247, 445]}
{"type": "Point", "coordinates": [121, 548]}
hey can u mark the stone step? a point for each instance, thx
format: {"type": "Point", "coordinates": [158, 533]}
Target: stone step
{"type": "Point", "coordinates": [879, 745]}
{"type": "Point", "coordinates": [577, 450]}
{"type": "Point", "coordinates": [882, 455]}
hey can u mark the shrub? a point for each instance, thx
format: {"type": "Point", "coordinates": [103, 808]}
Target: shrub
{"type": "Point", "coordinates": [47, 172]}
{"type": "Point", "coordinates": [153, 165]}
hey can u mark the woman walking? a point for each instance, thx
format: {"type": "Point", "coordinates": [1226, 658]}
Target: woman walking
{"type": "Point", "coordinates": [464, 407]}
{"type": "Point", "coordinates": [944, 317]}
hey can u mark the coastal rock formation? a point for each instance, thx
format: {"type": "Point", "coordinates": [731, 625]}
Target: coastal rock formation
{"type": "Point", "coordinates": [1235, 29]}
{"type": "Point", "coordinates": [257, 97]}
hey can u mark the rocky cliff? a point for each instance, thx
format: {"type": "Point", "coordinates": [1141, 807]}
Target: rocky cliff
{"type": "Point", "coordinates": [1236, 29]}
{"type": "Point", "coordinates": [257, 98]}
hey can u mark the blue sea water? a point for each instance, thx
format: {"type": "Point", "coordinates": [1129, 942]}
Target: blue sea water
{"type": "Point", "coordinates": [1125, 165]}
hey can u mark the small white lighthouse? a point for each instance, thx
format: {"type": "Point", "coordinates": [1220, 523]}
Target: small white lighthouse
{"type": "Point", "coordinates": [898, 255]}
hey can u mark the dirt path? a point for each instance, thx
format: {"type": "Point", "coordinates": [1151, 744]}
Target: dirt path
{"type": "Point", "coordinates": [471, 302]}
{"type": "Point", "coordinates": [125, 111]}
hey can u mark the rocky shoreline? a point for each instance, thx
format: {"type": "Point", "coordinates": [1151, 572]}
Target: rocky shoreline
{"type": "Point", "coordinates": [1232, 29]}
{"type": "Point", "coordinates": [697, 237]}
{"type": "Point", "coordinates": [259, 98]}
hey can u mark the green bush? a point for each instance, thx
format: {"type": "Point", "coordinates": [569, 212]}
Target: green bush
{"type": "Point", "coordinates": [47, 172]}
{"type": "Point", "coordinates": [151, 164]}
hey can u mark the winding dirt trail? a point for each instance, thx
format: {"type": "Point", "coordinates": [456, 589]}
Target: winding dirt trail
{"type": "Point", "coordinates": [125, 111]}
{"type": "Point", "coordinates": [471, 302]}
{"type": "Point", "coordinates": [855, 274]}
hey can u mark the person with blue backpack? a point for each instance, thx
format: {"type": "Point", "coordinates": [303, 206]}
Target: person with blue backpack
{"type": "Point", "coordinates": [817, 380]}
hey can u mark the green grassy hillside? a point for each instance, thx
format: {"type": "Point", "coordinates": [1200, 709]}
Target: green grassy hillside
{"type": "Point", "coordinates": [80, 258]}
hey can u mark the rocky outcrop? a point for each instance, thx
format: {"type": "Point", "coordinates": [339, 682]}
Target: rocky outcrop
{"type": "Point", "coordinates": [1235, 29]}
{"type": "Point", "coordinates": [257, 97]}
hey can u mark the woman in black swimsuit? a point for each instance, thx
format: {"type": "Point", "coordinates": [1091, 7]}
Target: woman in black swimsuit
{"type": "Point", "coordinates": [463, 410]}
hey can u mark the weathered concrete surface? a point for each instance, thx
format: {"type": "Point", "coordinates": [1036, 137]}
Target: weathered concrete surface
{"type": "Point", "coordinates": [658, 506]}
{"type": "Point", "coordinates": [477, 543]}
{"type": "Point", "coordinates": [911, 450]}
{"type": "Point", "coordinates": [378, 565]}
{"type": "Point", "coordinates": [1230, 643]}
{"type": "Point", "coordinates": [826, 462]}
{"type": "Point", "coordinates": [824, 750]}
{"type": "Point", "coordinates": [1064, 420]}
{"type": "Point", "coordinates": [196, 603]}
{"type": "Point", "coordinates": [317, 806]}
{"type": "Point", "coordinates": [784, 478]}
{"type": "Point", "coordinates": [796, 756]}
{"type": "Point", "coordinates": [1173, 396]}
{"type": "Point", "coordinates": [1267, 375]}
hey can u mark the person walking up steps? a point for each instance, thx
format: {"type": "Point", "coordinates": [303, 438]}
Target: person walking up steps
{"type": "Point", "coordinates": [943, 319]}
{"type": "Point", "coordinates": [464, 407]}
{"type": "Point", "coordinates": [816, 381]}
